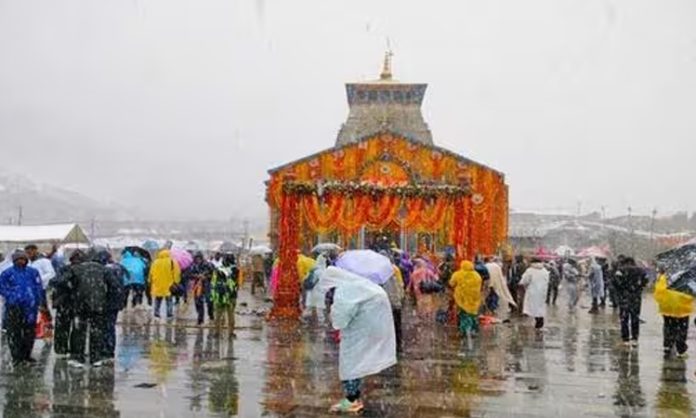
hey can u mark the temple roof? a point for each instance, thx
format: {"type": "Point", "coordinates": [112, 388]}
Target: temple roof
{"type": "Point", "coordinates": [371, 137]}
{"type": "Point", "coordinates": [385, 104]}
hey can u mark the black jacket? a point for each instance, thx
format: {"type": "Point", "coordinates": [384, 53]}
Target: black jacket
{"type": "Point", "coordinates": [629, 283]}
{"type": "Point", "coordinates": [88, 286]}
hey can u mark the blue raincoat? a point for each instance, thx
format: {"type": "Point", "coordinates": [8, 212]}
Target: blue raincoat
{"type": "Point", "coordinates": [21, 287]}
{"type": "Point", "coordinates": [135, 266]}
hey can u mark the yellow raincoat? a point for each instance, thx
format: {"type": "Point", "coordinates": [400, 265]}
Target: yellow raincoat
{"type": "Point", "coordinates": [467, 288]}
{"type": "Point", "coordinates": [672, 303]}
{"type": "Point", "coordinates": [304, 265]}
{"type": "Point", "coordinates": [164, 272]}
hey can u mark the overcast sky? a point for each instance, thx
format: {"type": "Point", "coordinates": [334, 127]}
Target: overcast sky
{"type": "Point", "coordinates": [179, 107]}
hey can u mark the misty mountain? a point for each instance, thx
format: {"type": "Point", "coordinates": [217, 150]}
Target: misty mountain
{"type": "Point", "coordinates": [43, 203]}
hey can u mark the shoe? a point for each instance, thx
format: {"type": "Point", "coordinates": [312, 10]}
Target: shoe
{"type": "Point", "coordinates": [634, 343]}
{"type": "Point", "coordinates": [76, 364]}
{"type": "Point", "coordinates": [61, 356]}
{"type": "Point", "coordinates": [30, 360]}
{"type": "Point", "coordinates": [99, 363]}
{"type": "Point", "coordinates": [626, 344]}
{"type": "Point", "coordinates": [346, 406]}
{"type": "Point", "coordinates": [683, 356]}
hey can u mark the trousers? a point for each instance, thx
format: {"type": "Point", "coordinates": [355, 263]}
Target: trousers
{"type": "Point", "coordinates": [351, 388]}
{"type": "Point", "coordinates": [202, 302]}
{"type": "Point", "coordinates": [20, 334]}
{"type": "Point", "coordinates": [675, 332]}
{"type": "Point", "coordinates": [62, 330]}
{"type": "Point", "coordinates": [158, 306]}
{"type": "Point", "coordinates": [630, 322]}
{"type": "Point", "coordinates": [92, 325]}
{"type": "Point", "coordinates": [110, 337]}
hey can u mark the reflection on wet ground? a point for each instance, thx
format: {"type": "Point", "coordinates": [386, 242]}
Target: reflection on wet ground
{"type": "Point", "coordinates": [576, 368]}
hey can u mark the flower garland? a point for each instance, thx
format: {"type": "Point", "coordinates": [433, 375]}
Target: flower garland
{"type": "Point", "coordinates": [375, 190]}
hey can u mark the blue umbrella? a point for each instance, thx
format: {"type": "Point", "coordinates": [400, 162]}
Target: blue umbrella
{"type": "Point", "coordinates": [367, 263]}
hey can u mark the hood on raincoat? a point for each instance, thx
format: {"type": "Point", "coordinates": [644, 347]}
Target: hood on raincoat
{"type": "Point", "coordinates": [467, 288]}
{"type": "Point", "coordinates": [19, 254]}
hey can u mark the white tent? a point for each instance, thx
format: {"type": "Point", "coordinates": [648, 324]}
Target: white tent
{"type": "Point", "coordinates": [43, 234]}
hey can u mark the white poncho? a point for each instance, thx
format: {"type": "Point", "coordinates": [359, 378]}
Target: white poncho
{"type": "Point", "coordinates": [362, 312]}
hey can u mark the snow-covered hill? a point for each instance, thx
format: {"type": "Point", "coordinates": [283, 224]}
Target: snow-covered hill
{"type": "Point", "coordinates": [42, 203]}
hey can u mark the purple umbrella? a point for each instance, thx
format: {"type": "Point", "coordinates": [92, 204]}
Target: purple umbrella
{"type": "Point", "coordinates": [182, 257]}
{"type": "Point", "coordinates": [368, 264]}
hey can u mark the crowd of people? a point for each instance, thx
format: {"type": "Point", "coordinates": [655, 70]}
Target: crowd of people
{"type": "Point", "coordinates": [81, 298]}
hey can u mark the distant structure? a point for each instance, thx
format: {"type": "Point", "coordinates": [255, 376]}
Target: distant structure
{"type": "Point", "coordinates": [385, 105]}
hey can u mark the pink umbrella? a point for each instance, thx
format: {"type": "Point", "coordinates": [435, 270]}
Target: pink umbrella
{"type": "Point", "coordinates": [182, 257]}
{"type": "Point", "coordinates": [596, 252]}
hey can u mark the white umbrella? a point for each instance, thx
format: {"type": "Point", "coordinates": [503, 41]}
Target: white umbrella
{"type": "Point", "coordinates": [367, 263]}
{"type": "Point", "coordinates": [260, 250]}
{"type": "Point", "coordinates": [325, 247]}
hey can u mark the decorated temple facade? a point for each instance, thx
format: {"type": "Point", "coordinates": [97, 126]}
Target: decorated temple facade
{"type": "Point", "coordinates": [384, 179]}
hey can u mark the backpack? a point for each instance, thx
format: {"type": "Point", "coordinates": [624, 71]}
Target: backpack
{"type": "Point", "coordinates": [91, 288]}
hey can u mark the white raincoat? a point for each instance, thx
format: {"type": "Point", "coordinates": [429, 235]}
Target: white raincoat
{"type": "Point", "coordinates": [362, 312]}
{"type": "Point", "coordinates": [536, 280]}
{"type": "Point", "coordinates": [499, 285]}
{"type": "Point", "coordinates": [328, 278]}
{"type": "Point", "coordinates": [596, 280]}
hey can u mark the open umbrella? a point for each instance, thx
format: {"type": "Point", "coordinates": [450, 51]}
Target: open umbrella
{"type": "Point", "coordinates": [151, 245]}
{"type": "Point", "coordinates": [182, 257]}
{"type": "Point", "coordinates": [594, 252]}
{"type": "Point", "coordinates": [678, 258]}
{"type": "Point", "coordinates": [326, 247]}
{"type": "Point", "coordinates": [684, 281]}
{"type": "Point", "coordinates": [260, 250]}
{"type": "Point", "coordinates": [368, 264]}
{"type": "Point", "coordinates": [142, 252]}
{"type": "Point", "coordinates": [228, 247]}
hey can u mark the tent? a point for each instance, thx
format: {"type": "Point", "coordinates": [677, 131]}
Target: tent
{"type": "Point", "coordinates": [43, 234]}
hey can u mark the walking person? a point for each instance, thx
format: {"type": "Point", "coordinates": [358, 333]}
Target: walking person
{"type": "Point", "coordinates": [517, 269]}
{"type": "Point", "coordinates": [40, 263]}
{"type": "Point", "coordinates": [164, 274]}
{"type": "Point", "coordinates": [395, 291]}
{"type": "Point", "coordinates": [421, 279]}
{"type": "Point", "coordinates": [63, 303]}
{"type": "Point", "coordinates": [570, 280]}
{"type": "Point", "coordinates": [467, 284]}
{"type": "Point", "coordinates": [224, 288]}
{"type": "Point", "coordinates": [675, 308]}
{"type": "Point", "coordinates": [629, 283]}
{"type": "Point", "coordinates": [200, 274]}
{"type": "Point", "coordinates": [596, 279]}
{"type": "Point", "coordinates": [88, 282]}
{"type": "Point", "coordinates": [23, 293]}
{"type": "Point", "coordinates": [258, 271]}
{"type": "Point", "coordinates": [135, 281]}
{"type": "Point", "coordinates": [499, 287]}
{"type": "Point", "coordinates": [115, 300]}
{"type": "Point", "coordinates": [554, 283]}
{"type": "Point", "coordinates": [361, 311]}
{"type": "Point", "coordinates": [536, 282]}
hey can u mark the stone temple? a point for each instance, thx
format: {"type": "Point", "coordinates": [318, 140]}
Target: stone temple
{"type": "Point", "coordinates": [385, 105]}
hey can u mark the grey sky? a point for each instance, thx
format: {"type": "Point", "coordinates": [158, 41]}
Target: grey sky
{"type": "Point", "coordinates": [181, 106]}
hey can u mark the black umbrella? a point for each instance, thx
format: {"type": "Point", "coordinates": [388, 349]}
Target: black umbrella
{"type": "Point", "coordinates": [139, 251]}
{"type": "Point", "coordinates": [678, 258]}
{"type": "Point", "coordinates": [684, 281]}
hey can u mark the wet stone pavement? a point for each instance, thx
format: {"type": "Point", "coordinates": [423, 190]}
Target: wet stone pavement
{"type": "Point", "coordinates": [576, 369]}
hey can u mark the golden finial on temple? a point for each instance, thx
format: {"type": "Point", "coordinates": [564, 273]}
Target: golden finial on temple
{"type": "Point", "coordinates": [386, 68]}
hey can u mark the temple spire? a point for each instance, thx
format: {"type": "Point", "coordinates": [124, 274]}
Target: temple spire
{"type": "Point", "coordinates": [386, 68]}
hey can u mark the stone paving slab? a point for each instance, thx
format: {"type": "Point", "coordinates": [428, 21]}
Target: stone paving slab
{"type": "Point", "coordinates": [575, 369]}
